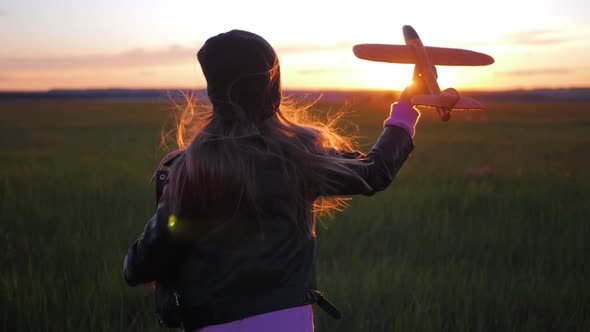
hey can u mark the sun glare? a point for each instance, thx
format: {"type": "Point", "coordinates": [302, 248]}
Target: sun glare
{"type": "Point", "coordinates": [386, 76]}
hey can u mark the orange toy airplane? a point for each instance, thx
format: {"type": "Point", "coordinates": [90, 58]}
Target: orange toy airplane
{"type": "Point", "coordinates": [425, 58]}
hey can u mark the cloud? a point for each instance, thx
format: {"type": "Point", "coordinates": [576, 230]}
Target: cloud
{"type": "Point", "coordinates": [537, 72]}
{"type": "Point", "coordinates": [4, 79]}
{"type": "Point", "coordinates": [146, 73]}
{"type": "Point", "coordinates": [137, 57]}
{"type": "Point", "coordinates": [537, 38]}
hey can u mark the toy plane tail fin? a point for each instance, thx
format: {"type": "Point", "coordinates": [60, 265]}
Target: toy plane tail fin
{"type": "Point", "coordinates": [448, 99]}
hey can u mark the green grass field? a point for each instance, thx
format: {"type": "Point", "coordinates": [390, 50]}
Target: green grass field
{"type": "Point", "coordinates": [486, 227]}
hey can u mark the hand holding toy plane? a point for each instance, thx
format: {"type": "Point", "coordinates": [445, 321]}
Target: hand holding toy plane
{"type": "Point", "coordinates": [425, 58]}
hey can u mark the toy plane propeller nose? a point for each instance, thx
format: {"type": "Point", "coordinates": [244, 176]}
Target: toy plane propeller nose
{"type": "Point", "coordinates": [409, 33]}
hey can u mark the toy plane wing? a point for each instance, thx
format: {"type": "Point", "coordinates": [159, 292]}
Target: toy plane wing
{"type": "Point", "coordinates": [405, 54]}
{"type": "Point", "coordinates": [425, 58]}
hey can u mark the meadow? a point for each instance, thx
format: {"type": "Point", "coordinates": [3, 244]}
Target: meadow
{"type": "Point", "coordinates": [485, 228]}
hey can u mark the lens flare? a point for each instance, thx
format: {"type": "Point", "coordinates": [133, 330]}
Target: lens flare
{"type": "Point", "coordinates": [171, 222]}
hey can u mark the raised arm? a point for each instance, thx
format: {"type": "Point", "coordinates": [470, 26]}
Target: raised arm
{"type": "Point", "coordinates": [376, 170]}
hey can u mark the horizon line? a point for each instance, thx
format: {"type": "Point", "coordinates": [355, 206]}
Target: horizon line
{"type": "Point", "coordinates": [294, 89]}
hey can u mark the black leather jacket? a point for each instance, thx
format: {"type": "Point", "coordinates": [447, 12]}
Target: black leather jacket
{"type": "Point", "coordinates": [242, 273]}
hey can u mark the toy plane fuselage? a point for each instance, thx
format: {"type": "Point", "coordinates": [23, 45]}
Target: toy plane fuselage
{"type": "Point", "coordinates": [425, 59]}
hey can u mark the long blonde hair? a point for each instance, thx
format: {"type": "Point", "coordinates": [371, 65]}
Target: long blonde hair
{"type": "Point", "coordinates": [250, 124]}
{"type": "Point", "coordinates": [216, 162]}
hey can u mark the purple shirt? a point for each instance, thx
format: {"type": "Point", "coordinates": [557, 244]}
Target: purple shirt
{"type": "Point", "coordinates": [298, 319]}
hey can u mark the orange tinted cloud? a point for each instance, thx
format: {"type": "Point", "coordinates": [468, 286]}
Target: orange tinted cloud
{"type": "Point", "coordinates": [537, 37]}
{"type": "Point", "coordinates": [541, 71]}
{"type": "Point", "coordinates": [137, 57]}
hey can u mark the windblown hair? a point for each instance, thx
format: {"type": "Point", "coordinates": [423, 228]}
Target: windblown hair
{"type": "Point", "coordinates": [215, 177]}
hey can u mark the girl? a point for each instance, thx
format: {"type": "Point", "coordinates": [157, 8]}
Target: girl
{"type": "Point", "coordinates": [232, 244]}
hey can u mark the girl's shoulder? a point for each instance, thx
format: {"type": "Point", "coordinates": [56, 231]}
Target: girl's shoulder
{"type": "Point", "coordinates": [161, 173]}
{"type": "Point", "coordinates": [167, 161]}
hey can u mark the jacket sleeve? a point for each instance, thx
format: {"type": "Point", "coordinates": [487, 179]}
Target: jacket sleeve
{"type": "Point", "coordinates": [375, 170]}
{"type": "Point", "coordinates": [157, 252]}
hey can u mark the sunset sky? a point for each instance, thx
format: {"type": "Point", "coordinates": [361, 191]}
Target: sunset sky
{"type": "Point", "coordinates": [152, 44]}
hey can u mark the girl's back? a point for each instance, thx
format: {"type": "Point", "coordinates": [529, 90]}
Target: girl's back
{"type": "Point", "coordinates": [234, 233]}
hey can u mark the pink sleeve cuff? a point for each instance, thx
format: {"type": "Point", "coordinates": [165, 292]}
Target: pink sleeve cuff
{"type": "Point", "coordinates": [404, 116]}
